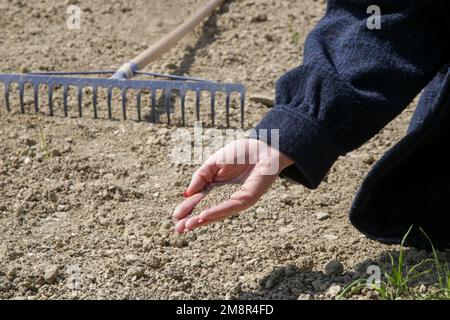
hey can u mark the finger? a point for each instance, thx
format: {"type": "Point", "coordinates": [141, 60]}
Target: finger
{"type": "Point", "coordinates": [188, 204]}
{"type": "Point", "coordinates": [180, 227]}
{"type": "Point", "coordinates": [224, 209]}
{"type": "Point", "coordinates": [202, 178]}
{"type": "Point", "coordinates": [196, 222]}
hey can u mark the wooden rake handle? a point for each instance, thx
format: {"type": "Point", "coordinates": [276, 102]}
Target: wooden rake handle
{"type": "Point", "coordinates": [166, 43]}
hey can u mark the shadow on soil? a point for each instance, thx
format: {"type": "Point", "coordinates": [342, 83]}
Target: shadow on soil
{"type": "Point", "coordinates": [208, 35]}
{"type": "Point", "coordinates": [289, 282]}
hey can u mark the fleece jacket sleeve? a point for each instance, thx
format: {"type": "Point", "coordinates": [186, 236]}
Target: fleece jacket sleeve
{"type": "Point", "coordinates": [353, 81]}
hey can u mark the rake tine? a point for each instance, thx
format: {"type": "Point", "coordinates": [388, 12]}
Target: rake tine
{"type": "Point", "coordinates": [227, 107]}
{"type": "Point", "coordinates": [168, 94]}
{"type": "Point", "coordinates": [50, 100]}
{"type": "Point", "coordinates": [183, 106]}
{"type": "Point", "coordinates": [213, 108]}
{"type": "Point", "coordinates": [36, 97]}
{"type": "Point", "coordinates": [197, 104]}
{"type": "Point", "coordinates": [94, 102]}
{"type": "Point", "coordinates": [80, 101]}
{"type": "Point", "coordinates": [65, 94]}
{"type": "Point", "coordinates": [124, 103]}
{"type": "Point", "coordinates": [21, 94]}
{"type": "Point", "coordinates": [242, 108]}
{"type": "Point", "coordinates": [7, 97]}
{"type": "Point", "coordinates": [139, 100]}
{"type": "Point", "coordinates": [109, 98]}
{"type": "Point", "coordinates": [154, 106]}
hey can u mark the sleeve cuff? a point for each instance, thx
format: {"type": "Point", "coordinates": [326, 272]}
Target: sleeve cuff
{"type": "Point", "coordinates": [302, 139]}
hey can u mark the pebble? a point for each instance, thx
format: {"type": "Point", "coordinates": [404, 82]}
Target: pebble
{"type": "Point", "coordinates": [131, 258]}
{"type": "Point", "coordinates": [52, 197]}
{"type": "Point", "coordinates": [55, 153]}
{"type": "Point", "coordinates": [30, 142]}
{"type": "Point", "coordinates": [269, 37]}
{"type": "Point", "coordinates": [423, 288]}
{"type": "Point", "coordinates": [11, 272]}
{"type": "Point", "coordinates": [333, 268]}
{"type": "Point", "coordinates": [51, 274]}
{"type": "Point", "coordinates": [333, 290]}
{"type": "Point", "coordinates": [260, 210]}
{"type": "Point", "coordinates": [369, 160]}
{"type": "Point", "coordinates": [305, 264]}
{"type": "Point", "coordinates": [19, 211]}
{"type": "Point", "coordinates": [137, 272]}
{"type": "Point", "coordinates": [259, 18]}
{"type": "Point", "coordinates": [330, 237]}
{"type": "Point", "coordinates": [321, 216]}
{"type": "Point", "coordinates": [166, 225]}
{"type": "Point", "coordinates": [35, 31]}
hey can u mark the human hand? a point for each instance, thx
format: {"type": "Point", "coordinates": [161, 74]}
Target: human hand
{"type": "Point", "coordinates": [251, 163]}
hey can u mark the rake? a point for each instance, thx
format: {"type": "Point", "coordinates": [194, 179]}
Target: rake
{"type": "Point", "coordinates": [169, 85]}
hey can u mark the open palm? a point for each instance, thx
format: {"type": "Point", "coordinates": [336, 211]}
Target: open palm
{"type": "Point", "coordinates": [251, 163]}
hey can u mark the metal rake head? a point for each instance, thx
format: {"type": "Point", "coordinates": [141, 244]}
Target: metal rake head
{"type": "Point", "coordinates": [180, 85]}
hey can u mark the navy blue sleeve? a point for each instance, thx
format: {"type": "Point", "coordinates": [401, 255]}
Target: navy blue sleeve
{"type": "Point", "coordinates": [354, 80]}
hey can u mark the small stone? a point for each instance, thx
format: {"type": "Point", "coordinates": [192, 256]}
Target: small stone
{"type": "Point", "coordinates": [19, 211]}
{"type": "Point", "coordinates": [330, 237]}
{"type": "Point", "coordinates": [260, 210]}
{"type": "Point", "coordinates": [177, 295]}
{"type": "Point", "coordinates": [51, 274]}
{"type": "Point", "coordinates": [423, 288]}
{"type": "Point", "coordinates": [35, 31]}
{"type": "Point", "coordinates": [30, 142]}
{"type": "Point", "coordinates": [304, 296]}
{"type": "Point", "coordinates": [287, 230]}
{"type": "Point", "coordinates": [52, 197]}
{"type": "Point", "coordinates": [55, 153]}
{"type": "Point", "coordinates": [13, 135]}
{"type": "Point", "coordinates": [333, 268]}
{"type": "Point", "coordinates": [333, 291]}
{"type": "Point", "coordinates": [25, 284]}
{"type": "Point", "coordinates": [131, 258]}
{"type": "Point", "coordinates": [369, 160]}
{"type": "Point", "coordinates": [321, 216]}
{"type": "Point", "coordinates": [11, 272]}
{"type": "Point", "coordinates": [137, 272]}
{"type": "Point", "coordinates": [166, 225]}
{"type": "Point", "coordinates": [236, 289]}
{"type": "Point", "coordinates": [154, 263]}
{"type": "Point", "coordinates": [178, 242]}
{"type": "Point", "coordinates": [259, 18]}
{"type": "Point", "coordinates": [305, 264]}
{"type": "Point", "coordinates": [268, 37]}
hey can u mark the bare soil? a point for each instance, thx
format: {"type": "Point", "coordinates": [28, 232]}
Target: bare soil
{"type": "Point", "coordinates": [85, 205]}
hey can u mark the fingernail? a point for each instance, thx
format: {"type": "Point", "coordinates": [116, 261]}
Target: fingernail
{"type": "Point", "coordinates": [201, 220]}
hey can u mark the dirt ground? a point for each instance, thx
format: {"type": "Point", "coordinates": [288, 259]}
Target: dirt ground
{"type": "Point", "coordinates": [85, 205]}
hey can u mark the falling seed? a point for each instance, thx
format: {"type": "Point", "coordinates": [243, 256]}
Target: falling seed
{"type": "Point", "coordinates": [215, 196]}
